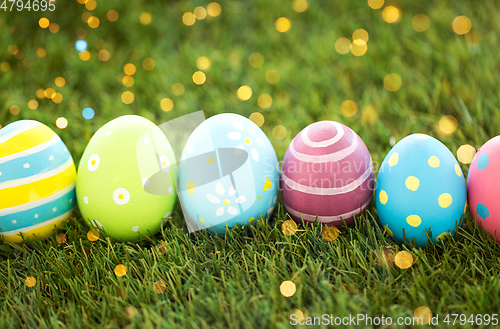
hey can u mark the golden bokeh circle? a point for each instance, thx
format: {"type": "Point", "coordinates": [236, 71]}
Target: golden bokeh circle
{"type": "Point", "coordinates": [403, 259]}
{"type": "Point", "coordinates": [393, 82]}
{"type": "Point", "coordinates": [289, 227]}
{"type": "Point", "coordinates": [466, 153]}
{"type": "Point", "coordinates": [257, 118]}
{"type": "Point", "coordinates": [279, 132]}
{"type": "Point", "coordinates": [288, 288]}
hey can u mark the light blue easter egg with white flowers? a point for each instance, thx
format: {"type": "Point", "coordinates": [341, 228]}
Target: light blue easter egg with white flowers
{"type": "Point", "coordinates": [228, 174]}
{"type": "Point", "coordinates": [421, 191]}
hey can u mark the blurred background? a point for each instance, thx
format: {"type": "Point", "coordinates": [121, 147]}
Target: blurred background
{"type": "Point", "coordinates": [385, 68]}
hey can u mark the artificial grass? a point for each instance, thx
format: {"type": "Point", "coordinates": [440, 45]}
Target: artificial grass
{"type": "Point", "coordinates": [234, 280]}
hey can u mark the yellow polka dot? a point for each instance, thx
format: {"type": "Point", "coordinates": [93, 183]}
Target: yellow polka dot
{"type": "Point", "coordinates": [226, 202]}
{"type": "Point", "coordinates": [191, 186]}
{"type": "Point", "coordinates": [393, 160]}
{"type": "Point", "coordinates": [412, 183]}
{"type": "Point", "coordinates": [267, 184]}
{"type": "Point", "coordinates": [210, 161]}
{"type": "Point", "coordinates": [445, 200]}
{"type": "Point", "coordinates": [442, 236]}
{"type": "Point", "coordinates": [120, 196]}
{"type": "Point", "coordinates": [164, 163]}
{"type": "Point", "coordinates": [202, 220]}
{"type": "Point", "coordinates": [259, 197]}
{"type": "Point", "coordinates": [433, 161]}
{"type": "Point", "coordinates": [383, 197]}
{"type": "Point", "coordinates": [93, 162]}
{"type": "Point", "coordinates": [458, 170]}
{"type": "Point", "coordinates": [247, 141]}
{"type": "Point", "coordinates": [413, 220]}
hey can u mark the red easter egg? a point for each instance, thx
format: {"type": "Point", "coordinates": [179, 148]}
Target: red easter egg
{"type": "Point", "coordinates": [327, 173]}
{"type": "Point", "coordinates": [483, 188]}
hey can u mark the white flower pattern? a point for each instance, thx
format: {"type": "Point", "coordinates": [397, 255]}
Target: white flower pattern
{"type": "Point", "coordinates": [220, 191]}
{"type": "Point", "coordinates": [247, 139]}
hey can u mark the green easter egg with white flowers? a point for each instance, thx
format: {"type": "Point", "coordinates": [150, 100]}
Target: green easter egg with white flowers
{"type": "Point", "coordinates": [126, 178]}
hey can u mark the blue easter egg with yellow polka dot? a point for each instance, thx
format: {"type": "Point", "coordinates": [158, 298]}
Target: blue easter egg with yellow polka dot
{"type": "Point", "coordinates": [421, 191]}
{"type": "Point", "coordinates": [37, 181]}
{"type": "Point", "coordinates": [228, 174]}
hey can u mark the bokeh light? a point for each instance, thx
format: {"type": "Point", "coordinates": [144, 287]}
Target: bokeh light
{"type": "Point", "coordinates": [279, 132]}
{"type": "Point", "coordinates": [145, 18]}
{"type": "Point", "coordinates": [93, 22]}
{"type": "Point", "coordinates": [420, 22]}
{"type": "Point", "coordinates": [403, 259]}
{"type": "Point", "coordinates": [14, 109]}
{"type": "Point", "coordinates": [244, 93]}
{"type": "Point", "coordinates": [369, 114]}
{"type": "Point", "coordinates": [129, 69]}
{"type": "Point", "coordinates": [390, 14]}
{"type": "Point", "coordinates": [12, 49]}
{"type": "Point", "coordinates": [188, 19]}
{"type": "Point", "coordinates": [256, 60]}
{"type": "Point", "coordinates": [300, 5]}
{"type": "Point", "coordinates": [177, 89]}
{"type": "Point", "coordinates": [213, 9]}
{"type": "Point", "coordinates": [81, 33]}
{"type": "Point", "coordinates": [90, 4]}
{"type": "Point", "coordinates": [128, 81]}
{"type": "Point", "coordinates": [19, 54]}
{"type": "Point", "coordinates": [424, 313]}
{"type": "Point", "coordinates": [265, 101]}
{"type": "Point", "coordinates": [330, 233]}
{"type": "Point", "coordinates": [358, 47]}
{"type": "Point", "coordinates": [200, 13]}
{"type": "Point", "coordinates": [50, 93]}
{"type": "Point", "coordinates": [40, 93]}
{"type": "Point", "coordinates": [289, 227]}
{"type": "Point", "coordinates": [272, 76]}
{"type": "Point", "coordinates": [466, 153]}
{"type": "Point", "coordinates": [360, 34]}
{"type": "Point", "coordinates": [88, 113]}
{"type": "Point", "coordinates": [30, 281]}
{"type": "Point", "coordinates": [199, 77]}
{"type": "Point", "coordinates": [203, 63]}
{"type": "Point", "coordinates": [375, 4]}
{"type": "Point", "coordinates": [60, 81]}
{"type": "Point", "coordinates": [393, 82]}
{"type": "Point", "coordinates": [81, 45]}
{"type": "Point", "coordinates": [41, 52]}
{"type": "Point", "coordinates": [461, 25]}
{"type": "Point", "coordinates": [5, 66]}
{"type": "Point", "coordinates": [93, 235]}
{"type": "Point", "coordinates": [43, 22]}
{"type": "Point", "coordinates": [61, 123]}
{"type": "Point", "coordinates": [53, 27]}
{"type": "Point", "coordinates": [288, 288]}
{"type": "Point", "coordinates": [349, 108]}
{"type": "Point", "coordinates": [103, 55]}
{"type": "Point", "coordinates": [127, 97]}
{"type": "Point", "coordinates": [112, 15]}
{"type": "Point", "coordinates": [85, 16]}
{"type": "Point", "coordinates": [159, 287]}
{"type": "Point", "coordinates": [58, 98]}
{"type": "Point", "coordinates": [167, 104]}
{"type": "Point", "coordinates": [257, 118]}
{"type": "Point", "coordinates": [282, 24]}
{"type": "Point", "coordinates": [120, 270]}
{"type": "Point", "coordinates": [84, 55]}
{"type": "Point", "coordinates": [448, 124]}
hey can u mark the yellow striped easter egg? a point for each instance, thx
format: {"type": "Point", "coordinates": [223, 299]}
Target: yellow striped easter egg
{"type": "Point", "coordinates": [37, 181]}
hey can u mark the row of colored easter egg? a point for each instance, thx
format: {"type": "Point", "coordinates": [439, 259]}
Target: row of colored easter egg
{"type": "Point", "coordinates": [228, 175]}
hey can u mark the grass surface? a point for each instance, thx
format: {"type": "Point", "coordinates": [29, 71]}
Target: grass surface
{"type": "Point", "coordinates": [234, 281]}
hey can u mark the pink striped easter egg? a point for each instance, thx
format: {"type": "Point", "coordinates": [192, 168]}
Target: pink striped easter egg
{"type": "Point", "coordinates": [327, 174]}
